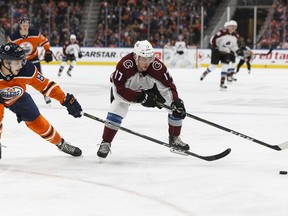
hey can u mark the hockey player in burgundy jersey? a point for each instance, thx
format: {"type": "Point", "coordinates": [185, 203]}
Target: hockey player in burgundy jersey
{"type": "Point", "coordinates": [71, 50]}
{"type": "Point", "coordinates": [224, 45]}
{"type": "Point", "coordinates": [15, 74]}
{"type": "Point", "coordinates": [141, 78]}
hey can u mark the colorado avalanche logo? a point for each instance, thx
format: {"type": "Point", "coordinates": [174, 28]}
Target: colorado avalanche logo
{"type": "Point", "coordinates": [200, 56]}
{"type": "Point", "coordinates": [27, 47]}
{"type": "Point", "coordinates": [228, 43]}
{"type": "Point", "coordinates": [11, 92]}
{"type": "Point", "coordinates": [128, 64]}
{"type": "Point", "coordinates": [156, 65]}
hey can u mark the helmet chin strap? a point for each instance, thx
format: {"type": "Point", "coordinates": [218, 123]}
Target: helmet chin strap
{"type": "Point", "coordinates": [136, 58]}
{"type": "Point", "coordinates": [9, 76]}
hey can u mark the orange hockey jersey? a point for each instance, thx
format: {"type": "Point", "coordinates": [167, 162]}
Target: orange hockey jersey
{"type": "Point", "coordinates": [30, 43]}
{"type": "Point", "coordinates": [11, 91]}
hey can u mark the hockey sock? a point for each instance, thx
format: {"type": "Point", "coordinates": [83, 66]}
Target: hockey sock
{"type": "Point", "coordinates": [174, 130]}
{"type": "Point", "coordinates": [61, 69]}
{"type": "Point", "coordinates": [70, 69]}
{"type": "Point", "coordinates": [248, 66]}
{"type": "Point", "coordinates": [43, 128]}
{"type": "Point", "coordinates": [175, 125]}
{"type": "Point", "coordinates": [108, 134]}
{"type": "Point", "coordinates": [222, 81]}
{"type": "Point", "coordinates": [110, 130]}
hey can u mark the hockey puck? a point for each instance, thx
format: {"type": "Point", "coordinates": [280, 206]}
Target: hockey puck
{"type": "Point", "coordinates": [283, 172]}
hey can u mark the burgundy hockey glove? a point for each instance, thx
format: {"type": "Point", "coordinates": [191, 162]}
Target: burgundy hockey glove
{"type": "Point", "coordinates": [178, 109]}
{"type": "Point", "coordinates": [72, 105]}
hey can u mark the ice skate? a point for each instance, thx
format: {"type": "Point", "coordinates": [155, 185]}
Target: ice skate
{"type": "Point", "coordinates": [69, 73]}
{"type": "Point", "coordinates": [234, 78]}
{"type": "Point", "coordinates": [223, 87]}
{"type": "Point", "coordinates": [175, 141]}
{"type": "Point", "coordinates": [69, 149]}
{"type": "Point", "coordinates": [229, 78]}
{"type": "Point", "coordinates": [104, 149]}
{"type": "Point", "coordinates": [222, 83]}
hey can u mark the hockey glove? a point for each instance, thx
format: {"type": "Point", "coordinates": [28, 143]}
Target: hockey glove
{"type": "Point", "coordinates": [240, 52]}
{"type": "Point", "coordinates": [178, 109]}
{"type": "Point", "coordinates": [147, 99]}
{"type": "Point", "coordinates": [159, 97]}
{"type": "Point", "coordinates": [72, 105]}
{"type": "Point", "coordinates": [80, 55]}
{"type": "Point", "coordinates": [48, 56]}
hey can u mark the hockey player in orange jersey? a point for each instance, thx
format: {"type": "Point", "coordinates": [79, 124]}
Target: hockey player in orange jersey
{"type": "Point", "coordinates": [29, 39]}
{"type": "Point", "coordinates": [15, 73]}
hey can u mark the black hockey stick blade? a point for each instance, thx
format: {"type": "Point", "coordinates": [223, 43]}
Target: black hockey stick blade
{"type": "Point", "coordinates": [206, 158]}
{"type": "Point", "coordinates": [270, 50]}
{"type": "Point", "coordinates": [279, 147]}
{"type": "Point", "coordinates": [210, 157]}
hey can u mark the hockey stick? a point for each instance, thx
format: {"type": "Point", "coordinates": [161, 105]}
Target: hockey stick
{"type": "Point", "coordinates": [279, 147]}
{"type": "Point", "coordinates": [270, 50]}
{"type": "Point", "coordinates": [206, 158]}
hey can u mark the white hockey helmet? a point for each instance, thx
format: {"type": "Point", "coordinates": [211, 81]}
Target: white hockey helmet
{"type": "Point", "coordinates": [72, 37]}
{"type": "Point", "coordinates": [233, 23]}
{"type": "Point", "coordinates": [226, 24]}
{"type": "Point", "coordinates": [143, 49]}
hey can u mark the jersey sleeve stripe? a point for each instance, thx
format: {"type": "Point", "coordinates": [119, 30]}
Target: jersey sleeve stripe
{"type": "Point", "coordinates": [48, 87]}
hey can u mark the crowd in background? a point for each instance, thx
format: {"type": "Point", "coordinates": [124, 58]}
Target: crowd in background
{"type": "Point", "coordinates": [276, 33]}
{"type": "Point", "coordinates": [121, 23]}
{"type": "Point", "coordinates": [56, 19]}
{"type": "Point", "coordinates": [161, 21]}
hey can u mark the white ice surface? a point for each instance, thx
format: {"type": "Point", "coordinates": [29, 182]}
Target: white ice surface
{"type": "Point", "coordinates": [142, 178]}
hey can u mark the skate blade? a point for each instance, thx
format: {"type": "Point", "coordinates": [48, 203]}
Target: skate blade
{"type": "Point", "coordinates": [177, 151]}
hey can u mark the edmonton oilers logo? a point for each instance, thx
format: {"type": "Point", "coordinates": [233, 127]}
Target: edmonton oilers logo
{"type": "Point", "coordinates": [27, 47]}
{"type": "Point", "coordinates": [11, 92]}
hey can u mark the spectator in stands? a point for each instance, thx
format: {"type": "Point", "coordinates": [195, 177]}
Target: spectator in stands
{"type": "Point", "coordinates": [165, 21]}
{"type": "Point", "coordinates": [2, 35]}
{"type": "Point", "coordinates": [48, 17]}
{"type": "Point", "coordinates": [273, 35]}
